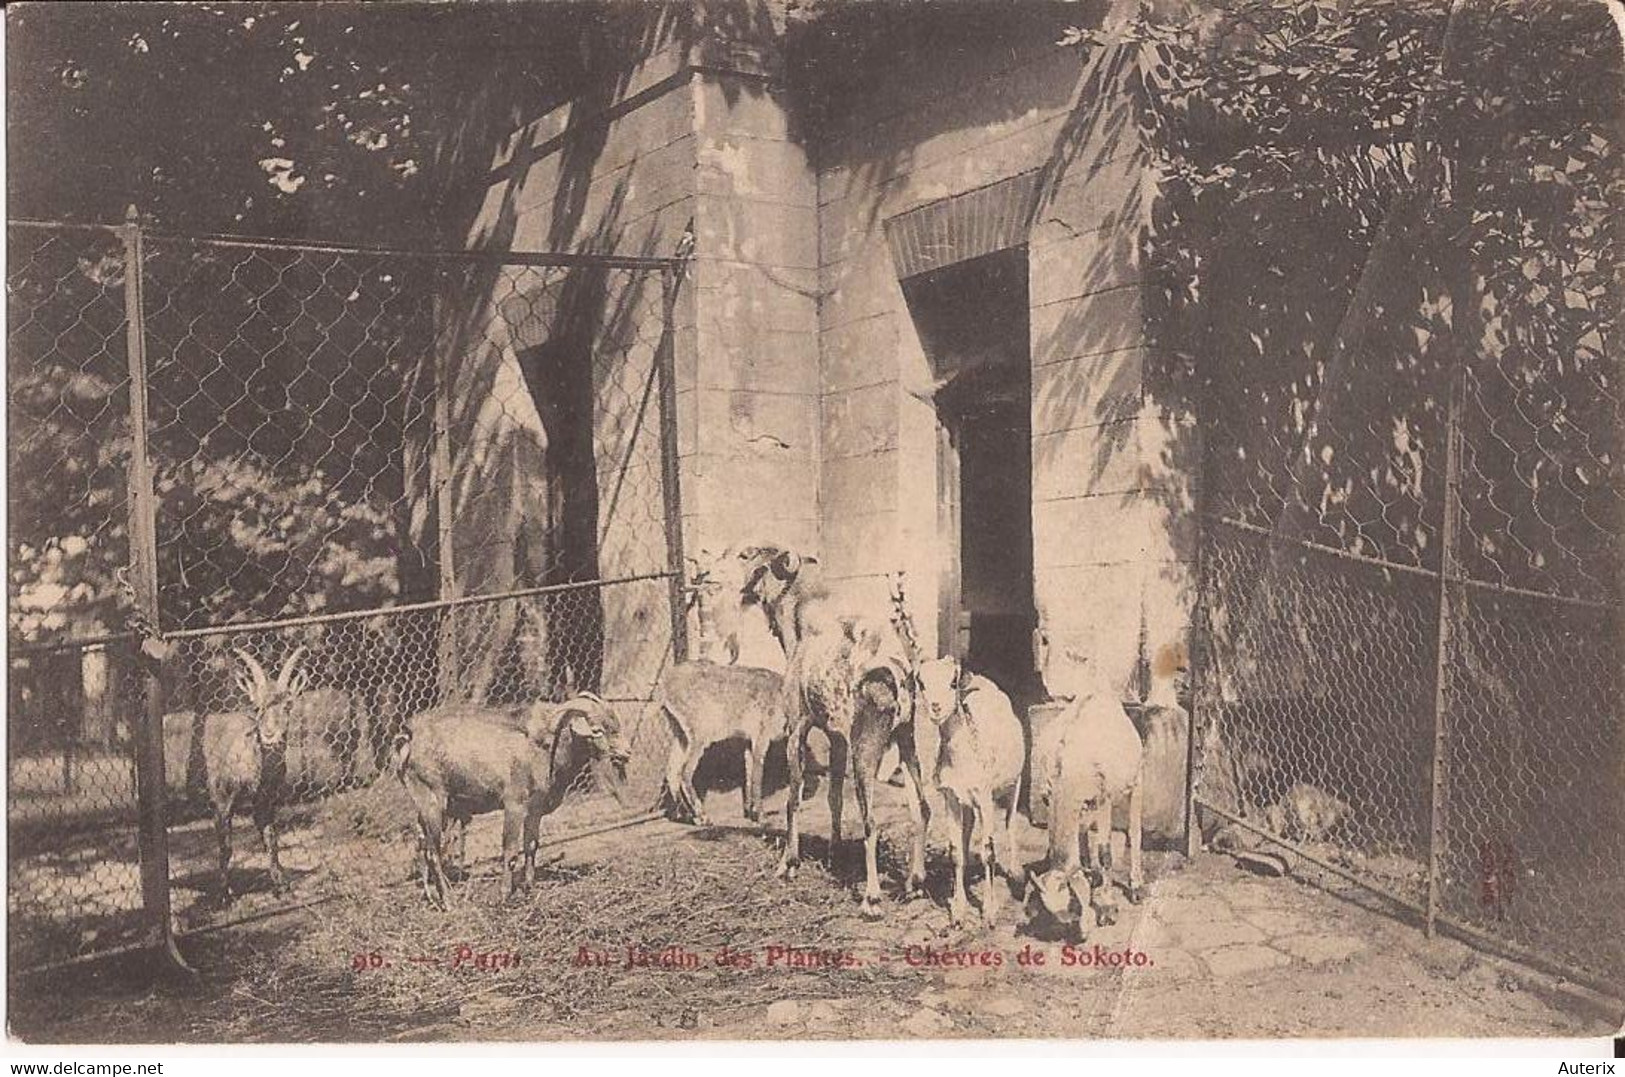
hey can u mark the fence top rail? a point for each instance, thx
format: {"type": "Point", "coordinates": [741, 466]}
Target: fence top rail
{"type": "Point", "coordinates": [563, 259]}
{"type": "Point", "coordinates": [410, 607]}
{"type": "Point", "coordinates": [1414, 570]}
{"type": "Point", "coordinates": [62, 226]}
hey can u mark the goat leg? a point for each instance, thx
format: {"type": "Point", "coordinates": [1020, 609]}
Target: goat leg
{"type": "Point", "coordinates": [426, 862]}
{"type": "Point", "coordinates": [990, 865]}
{"type": "Point", "coordinates": [513, 826]}
{"type": "Point", "coordinates": [752, 791]}
{"type": "Point", "coordinates": [919, 810]}
{"type": "Point", "coordinates": [533, 822]}
{"type": "Point", "coordinates": [959, 904]}
{"type": "Point", "coordinates": [1100, 837]}
{"type": "Point", "coordinates": [795, 756]}
{"type": "Point", "coordinates": [839, 750]}
{"type": "Point", "coordinates": [868, 750]}
{"type": "Point", "coordinates": [1136, 869]}
{"type": "Point", "coordinates": [265, 821]}
{"type": "Point", "coordinates": [222, 833]}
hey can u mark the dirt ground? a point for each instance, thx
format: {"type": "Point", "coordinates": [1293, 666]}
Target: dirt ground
{"type": "Point", "coordinates": [1214, 952]}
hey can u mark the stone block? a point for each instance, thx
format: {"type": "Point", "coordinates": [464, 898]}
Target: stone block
{"type": "Point", "coordinates": [860, 543]}
{"type": "Point", "coordinates": [861, 286]}
{"type": "Point", "coordinates": [1111, 529]}
{"type": "Point", "coordinates": [860, 484]}
{"type": "Point", "coordinates": [772, 426]}
{"type": "Point", "coordinates": [763, 233]}
{"type": "Point", "coordinates": [742, 166]}
{"type": "Point", "coordinates": [754, 296]}
{"type": "Point", "coordinates": [1231, 962]}
{"type": "Point", "coordinates": [1086, 461]}
{"type": "Point", "coordinates": [860, 421]}
{"type": "Point", "coordinates": [740, 106]}
{"type": "Point", "coordinates": [1083, 265]}
{"type": "Point", "coordinates": [1104, 321]}
{"type": "Point", "coordinates": [860, 353]}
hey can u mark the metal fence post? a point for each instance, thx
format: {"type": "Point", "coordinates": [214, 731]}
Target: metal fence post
{"type": "Point", "coordinates": [671, 279]}
{"type": "Point", "coordinates": [1450, 599]}
{"type": "Point", "coordinates": [151, 787]}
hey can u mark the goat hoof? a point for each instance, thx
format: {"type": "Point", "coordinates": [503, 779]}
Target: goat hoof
{"type": "Point", "coordinates": [1106, 915]}
{"type": "Point", "coordinates": [1136, 895]}
{"type": "Point", "coordinates": [871, 907]}
{"type": "Point", "coordinates": [787, 870]}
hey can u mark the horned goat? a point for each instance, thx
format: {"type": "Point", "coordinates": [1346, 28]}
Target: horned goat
{"type": "Point", "coordinates": [852, 677]}
{"type": "Point", "coordinates": [460, 760]}
{"type": "Point", "coordinates": [245, 757]}
{"type": "Point", "coordinates": [981, 751]}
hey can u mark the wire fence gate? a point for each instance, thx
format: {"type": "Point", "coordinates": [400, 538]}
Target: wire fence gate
{"type": "Point", "coordinates": [1409, 660]}
{"type": "Point", "coordinates": [387, 480]}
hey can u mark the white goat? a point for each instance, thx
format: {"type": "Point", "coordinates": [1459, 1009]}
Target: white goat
{"type": "Point", "coordinates": [1096, 766]}
{"type": "Point", "coordinates": [245, 756]}
{"type": "Point", "coordinates": [980, 754]}
{"type": "Point", "coordinates": [850, 676]}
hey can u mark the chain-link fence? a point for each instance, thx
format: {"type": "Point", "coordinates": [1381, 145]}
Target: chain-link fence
{"type": "Point", "coordinates": [1410, 648]}
{"type": "Point", "coordinates": [362, 483]}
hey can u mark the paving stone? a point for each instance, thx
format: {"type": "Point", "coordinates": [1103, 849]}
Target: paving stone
{"type": "Point", "coordinates": [1192, 909]}
{"type": "Point", "coordinates": [1220, 932]}
{"type": "Point", "coordinates": [1277, 921]}
{"type": "Point", "coordinates": [1318, 948]}
{"type": "Point", "coordinates": [1003, 1006]}
{"type": "Point", "coordinates": [1169, 963]}
{"type": "Point", "coordinates": [1252, 896]}
{"type": "Point", "coordinates": [928, 1024]}
{"type": "Point", "coordinates": [1240, 960]}
{"type": "Point", "coordinates": [825, 1015]}
{"type": "Point", "coordinates": [784, 1012]}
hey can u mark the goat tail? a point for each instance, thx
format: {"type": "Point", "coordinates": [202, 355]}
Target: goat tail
{"type": "Point", "coordinates": [679, 727]}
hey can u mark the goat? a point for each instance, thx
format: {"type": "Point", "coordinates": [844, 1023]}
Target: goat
{"type": "Point", "coordinates": [460, 760]}
{"type": "Point", "coordinates": [852, 677]}
{"type": "Point", "coordinates": [705, 703]}
{"type": "Point", "coordinates": [245, 755]}
{"type": "Point", "coordinates": [1096, 767]}
{"type": "Point", "coordinates": [980, 754]}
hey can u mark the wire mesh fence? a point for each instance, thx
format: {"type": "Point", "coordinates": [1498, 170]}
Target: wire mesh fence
{"type": "Point", "coordinates": [380, 483]}
{"type": "Point", "coordinates": [1410, 636]}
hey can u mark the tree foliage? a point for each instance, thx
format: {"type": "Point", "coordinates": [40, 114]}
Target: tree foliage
{"type": "Point", "coordinates": [1352, 195]}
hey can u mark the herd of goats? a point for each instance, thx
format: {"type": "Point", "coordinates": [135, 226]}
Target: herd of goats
{"type": "Point", "coordinates": [859, 678]}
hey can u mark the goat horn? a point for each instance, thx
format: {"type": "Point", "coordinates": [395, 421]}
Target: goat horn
{"type": "Point", "coordinates": [283, 678]}
{"type": "Point", "coordinates": [260, 681]}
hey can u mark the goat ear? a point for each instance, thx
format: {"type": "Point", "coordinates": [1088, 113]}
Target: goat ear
{"type": "Point", "coordinates": [582, 725]}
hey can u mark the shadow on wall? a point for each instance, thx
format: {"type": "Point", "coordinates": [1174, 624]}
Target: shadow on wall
{"type": "Point", "coordinates": [550, 372]}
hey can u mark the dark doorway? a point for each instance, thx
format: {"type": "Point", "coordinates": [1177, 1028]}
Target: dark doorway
{"type": "Point", "coordinates": [972, 320]}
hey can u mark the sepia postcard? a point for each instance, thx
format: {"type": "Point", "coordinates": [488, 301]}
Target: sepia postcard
{"type": "Point", "coordinates": [814, 520]}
